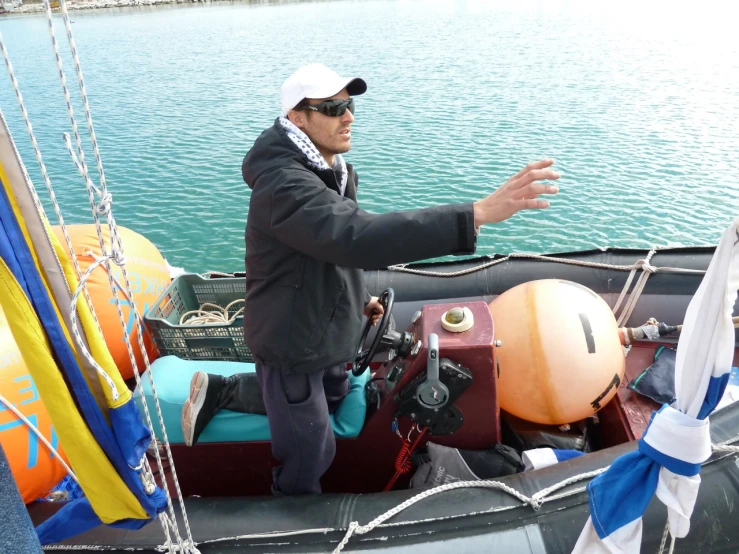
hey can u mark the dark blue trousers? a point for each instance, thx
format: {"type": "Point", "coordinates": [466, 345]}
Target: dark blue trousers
{"type": "Point", "coordinates": [298, 407]}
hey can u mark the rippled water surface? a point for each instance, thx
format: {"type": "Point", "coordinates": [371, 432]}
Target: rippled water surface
{"type": "Point", "coordinates": [637, 102]}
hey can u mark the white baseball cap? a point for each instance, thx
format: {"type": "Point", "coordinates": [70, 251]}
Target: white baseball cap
{"type": "Point", "coordinates": [317, 81]}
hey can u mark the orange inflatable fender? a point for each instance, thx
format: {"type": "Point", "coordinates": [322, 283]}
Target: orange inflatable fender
{"type": "Point", "coordinates": [36, 470]}
{"type": "Point", "coordinates": [560, 357]}
{"type": "Point", "coordinates": [148, 275]}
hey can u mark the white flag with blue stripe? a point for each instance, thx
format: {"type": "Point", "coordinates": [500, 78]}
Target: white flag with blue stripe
{"type": "Point", "coordinates": [539, 458]}
{"type": "Point", "coordinates": [677, 440]}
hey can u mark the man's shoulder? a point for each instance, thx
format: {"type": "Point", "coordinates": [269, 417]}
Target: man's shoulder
{"type": "Point", "coordinates": [272, 167]}
{"type": "Point", "coordinates": [288, 174]}
{"type": "Point", "coordinates": [286, 185]}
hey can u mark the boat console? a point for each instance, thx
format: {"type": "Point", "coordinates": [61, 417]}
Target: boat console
{"type": "Point", "coordinates": [439, 375]}
{"type": "Point", "coordinates": [435, 380]}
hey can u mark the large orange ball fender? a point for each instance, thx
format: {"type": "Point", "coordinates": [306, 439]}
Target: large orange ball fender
{"type": "Point", "coordinates": [148, 275]}
{"type": "Point", "coordinates": [35, 469]}
{"type": "Point", "coordinates": [560, 357]}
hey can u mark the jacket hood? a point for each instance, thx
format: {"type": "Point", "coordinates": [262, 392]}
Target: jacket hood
{"type": "Point", "coordinates": [272, 149]}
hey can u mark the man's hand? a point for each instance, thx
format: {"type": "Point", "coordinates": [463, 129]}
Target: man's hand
{"type": "Point", "coordinates": [374, 310]}
{"type": "Point", "coordinates": [520, 192]}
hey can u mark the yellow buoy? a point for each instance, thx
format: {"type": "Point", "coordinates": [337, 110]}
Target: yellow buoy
{"type": "Point", "coordinates": [560, 358]}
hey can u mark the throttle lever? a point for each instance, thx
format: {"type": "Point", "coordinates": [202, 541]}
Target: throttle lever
{"type": "Point", "coordinates": [432, 393]}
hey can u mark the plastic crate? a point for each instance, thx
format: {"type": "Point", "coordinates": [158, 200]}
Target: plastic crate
{"type": "Point", "coordinates": [199, 342]}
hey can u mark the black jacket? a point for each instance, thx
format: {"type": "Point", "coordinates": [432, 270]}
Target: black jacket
{"type": "Point", "coordinates": [307, 247]}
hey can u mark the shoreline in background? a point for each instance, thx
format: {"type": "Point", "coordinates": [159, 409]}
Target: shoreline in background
{"type": "Point", "coordinates": [34, 7]}
{"type": "Point", "coordinates": [38, 7]}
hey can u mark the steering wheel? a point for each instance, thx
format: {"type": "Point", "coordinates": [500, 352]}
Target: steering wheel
{"type": "Point", "coordinates": [363, 357]}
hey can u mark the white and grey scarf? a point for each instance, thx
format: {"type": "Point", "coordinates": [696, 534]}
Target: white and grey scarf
{"type": "Point", "coordinates": [307, 147]}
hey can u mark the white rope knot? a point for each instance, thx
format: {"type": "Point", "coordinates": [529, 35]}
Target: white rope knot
{"type": "Point", "coordinates": [190, 547]}
{"type": "Point", "coordinates": [115, 256]}
{"type": "Point", "coordinates": [647, 270]}
{"type": "Point", "coordinates": [353, 527]}
{"type": "Point", "coordinates": [535, 503]}
{"type": "Point", "coordinates": [103, 207]}
{"type": "Point", "coordinates": [118, 258]}
{"type": "Point", "coordinates": [644, 265]}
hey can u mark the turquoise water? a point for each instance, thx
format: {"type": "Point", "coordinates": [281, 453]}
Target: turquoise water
{"type": "Point", "coordinates": [637, 101]}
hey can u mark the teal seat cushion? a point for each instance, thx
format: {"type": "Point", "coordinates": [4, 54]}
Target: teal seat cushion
{"type": "Point", "coordinates": [172, 382]}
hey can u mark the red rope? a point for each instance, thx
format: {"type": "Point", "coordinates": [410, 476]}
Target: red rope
{"type": "Point", "coordinates": [403, 462]}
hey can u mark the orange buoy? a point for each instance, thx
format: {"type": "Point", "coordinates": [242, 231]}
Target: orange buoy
{"type": "Point", "coordinates": [35, 470]}
{"type": "Point", "coordinates": [560, 358]}
{"type": "Point", "coordinates": [147, 273]}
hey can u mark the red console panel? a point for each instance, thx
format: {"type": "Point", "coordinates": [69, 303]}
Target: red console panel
{"type": "Point", "coordinates": [473, 419]}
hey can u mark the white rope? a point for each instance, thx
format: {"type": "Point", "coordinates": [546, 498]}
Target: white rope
{"type": "Point", "coordinates": [91, 254]}
{"type": "Point", "coordinates": [82, 166]}
{"type": "Point", "coordinates": [644, 265]}
{"type": "Point", "coordinates": [38, 433]}
{"type": "Point", "coordinates": [725, 448]}
{"type": "Point", "coordinates": [167, 528]}
{"type": "Point", "coordinates": [664, 540]}
{"type": "Point", "coordinates": [664, 537]}
{"type": "Point", "coordinates": [102, 207]}
{"type": "Point", "coordinates": [542, 495]}
{"type": "Point", "coordinates": [647, 270]}
{"type": "Point", "coordinates": [209, 274]}
{"type": "Point", "coordinates": [99, 261]}
{"type": "Point", "coordinates": [74, 547]}
{"type": "Point", "coordinates": [582, 263]}
{"type": "Point", "coordinates": [47, 181]}
{"type": "Point", "coordinates": [403, 268]}
{"type": "Point", "coordinates": [76, 333]}
{"type": "Point", "coordinates": [81, 287]}
{"type": "Point", "coordinates": [219, 315]}
{"type": "Point", "coordinates": [535, 500]}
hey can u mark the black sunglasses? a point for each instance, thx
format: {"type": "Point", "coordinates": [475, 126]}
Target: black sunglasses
{"type": "Point", "coordinates": [332, 108]}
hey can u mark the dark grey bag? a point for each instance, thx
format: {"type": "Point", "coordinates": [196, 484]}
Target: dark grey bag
{"type": "Point", "coordinates": [658, 380]}
{"type": "Point", "coordinates": [438, 465]}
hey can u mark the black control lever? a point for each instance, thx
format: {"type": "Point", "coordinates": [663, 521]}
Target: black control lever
{"type": "Point", "coordinates": [429, 399]}
{"type": "Point", "coordinates": [432, 393]}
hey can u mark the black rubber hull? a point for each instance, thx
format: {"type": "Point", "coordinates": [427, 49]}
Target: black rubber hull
{"type": "Point", "coordinates": [508, 274]}
{"type": "Point", "coordinates": [475, 519]}
{"type": "Point", "coordinates": [665, 297]}
{"type": "Point", "coordinates": [466, 520]}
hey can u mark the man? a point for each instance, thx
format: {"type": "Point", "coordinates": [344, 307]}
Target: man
{"type": "Point", "coordinates": [307, 244]}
